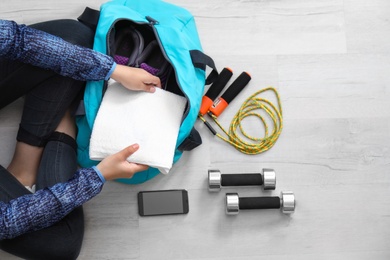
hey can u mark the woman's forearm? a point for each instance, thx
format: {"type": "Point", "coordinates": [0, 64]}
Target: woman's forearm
{"type": "Point", "coordinates": [28, 45]}
{"type": "Point", "coordinates": [47, 206]}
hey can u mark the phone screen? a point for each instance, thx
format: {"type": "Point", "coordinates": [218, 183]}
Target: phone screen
{"type": "Point", "coordinates": [162, 202]}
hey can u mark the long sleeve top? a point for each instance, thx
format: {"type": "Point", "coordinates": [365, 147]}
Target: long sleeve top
{"type": "Point", "coordinates": [28, 45]}
{"type": "Point", "coordinates": [48, 206]}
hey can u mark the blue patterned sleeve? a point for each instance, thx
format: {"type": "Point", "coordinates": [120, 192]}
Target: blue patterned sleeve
{"type": "Point", "coordinates": [48, 206]}
{"type": "Point", "coordinates": [28, 45]}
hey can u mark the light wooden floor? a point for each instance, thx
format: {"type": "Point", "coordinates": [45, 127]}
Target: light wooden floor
{"type": "Point", "coordinates": [330, 60]}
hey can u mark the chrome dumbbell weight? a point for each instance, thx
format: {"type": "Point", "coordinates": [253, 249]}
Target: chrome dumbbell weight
{"type": "Point", "coordinates": [267, 179]}
{"type": "Point", "coordinates": [234, 203]}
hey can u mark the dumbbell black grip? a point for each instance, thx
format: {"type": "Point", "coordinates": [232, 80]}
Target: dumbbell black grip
{"type": "Point", "coordinates": [219, 84]}
{"type": "Point", "coordinates": [259, 203]}
{"type": "Point", "coordinates": [242, 179]}
{"type": "Point", "coordinates": [236, 87]}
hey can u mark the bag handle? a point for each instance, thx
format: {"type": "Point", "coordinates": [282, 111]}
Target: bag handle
{"type": "Point", "coordinates": [90, 17]}
{"type": "Point", "coordinates": [201, 60]}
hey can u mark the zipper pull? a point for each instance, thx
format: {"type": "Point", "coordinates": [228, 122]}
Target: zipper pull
{"type": "Point", "coordinates": [151, 20]}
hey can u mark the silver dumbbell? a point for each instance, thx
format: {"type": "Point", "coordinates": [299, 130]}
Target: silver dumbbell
{"type": "Point", "coordinates": [234, 203]}
{"type": "Point", "coordinates": [267, 179]}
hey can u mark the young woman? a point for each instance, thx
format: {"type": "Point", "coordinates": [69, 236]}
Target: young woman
{"type": "Point", "coordinates": [50, 70]}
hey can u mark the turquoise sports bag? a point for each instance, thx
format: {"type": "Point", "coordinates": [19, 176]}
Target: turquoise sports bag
{"type": "Point", "coordinates": [179, 54]}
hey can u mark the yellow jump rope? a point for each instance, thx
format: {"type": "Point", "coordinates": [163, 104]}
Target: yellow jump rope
{"type": "Point", "coordinates": [271, 118]}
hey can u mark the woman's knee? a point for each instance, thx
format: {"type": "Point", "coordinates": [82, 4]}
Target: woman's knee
{"type": "Point", "coordinates": [60, 241]}
{"type": "Point", "coordinates": [70, 30]}
{"type": "Point", "coordinates": [69, 241]}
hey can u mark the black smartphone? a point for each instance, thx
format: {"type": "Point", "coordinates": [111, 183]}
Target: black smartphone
{"type": "Point", "coordinates": [162, 202]}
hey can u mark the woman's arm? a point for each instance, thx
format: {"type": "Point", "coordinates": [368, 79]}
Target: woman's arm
{"type": "Point", "coordinates": [48, 206]}
{"type": "Point", "coordinates": [28, 45]}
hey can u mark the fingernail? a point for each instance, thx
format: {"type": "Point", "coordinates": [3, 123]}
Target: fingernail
{"type": "Point", "coordinates": [135, 146]}
{"type": "Point", "coordinates": [152, 89]}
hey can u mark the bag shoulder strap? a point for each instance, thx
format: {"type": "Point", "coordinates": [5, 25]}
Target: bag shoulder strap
{"type": "Point", "coordinates": [90, 17]}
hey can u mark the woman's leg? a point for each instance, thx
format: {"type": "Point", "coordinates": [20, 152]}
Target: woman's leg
{"type": "Point", "coordinates": [43, 109]}
{"type": "Point", "coordinates": [59, 159]}
{"type": "Point", "coordinates": [10, 187]}
{"type": "Point", "coordinates": [64, 239]}
{"type": "Point", "coordinates": [45, 105]}
{"type": "Point", "coordinates": [60, 241]}
{"type": "Point", "coordinates": [56, 164]}
{"type": "Point", "coordinates": [17, 79]}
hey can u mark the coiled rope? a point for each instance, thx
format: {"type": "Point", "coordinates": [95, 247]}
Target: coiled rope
{"type": "Point", "coordinates": [253, 107]}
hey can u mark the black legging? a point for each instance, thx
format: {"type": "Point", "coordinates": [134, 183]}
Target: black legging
{"type": "Point", "coordinates": [48, 96]}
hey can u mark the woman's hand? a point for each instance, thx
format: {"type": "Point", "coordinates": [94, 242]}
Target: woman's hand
{"type": "Point", "coordinates": [135, 78]}
{"type": "Point", "coordinates": [116, 166]}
